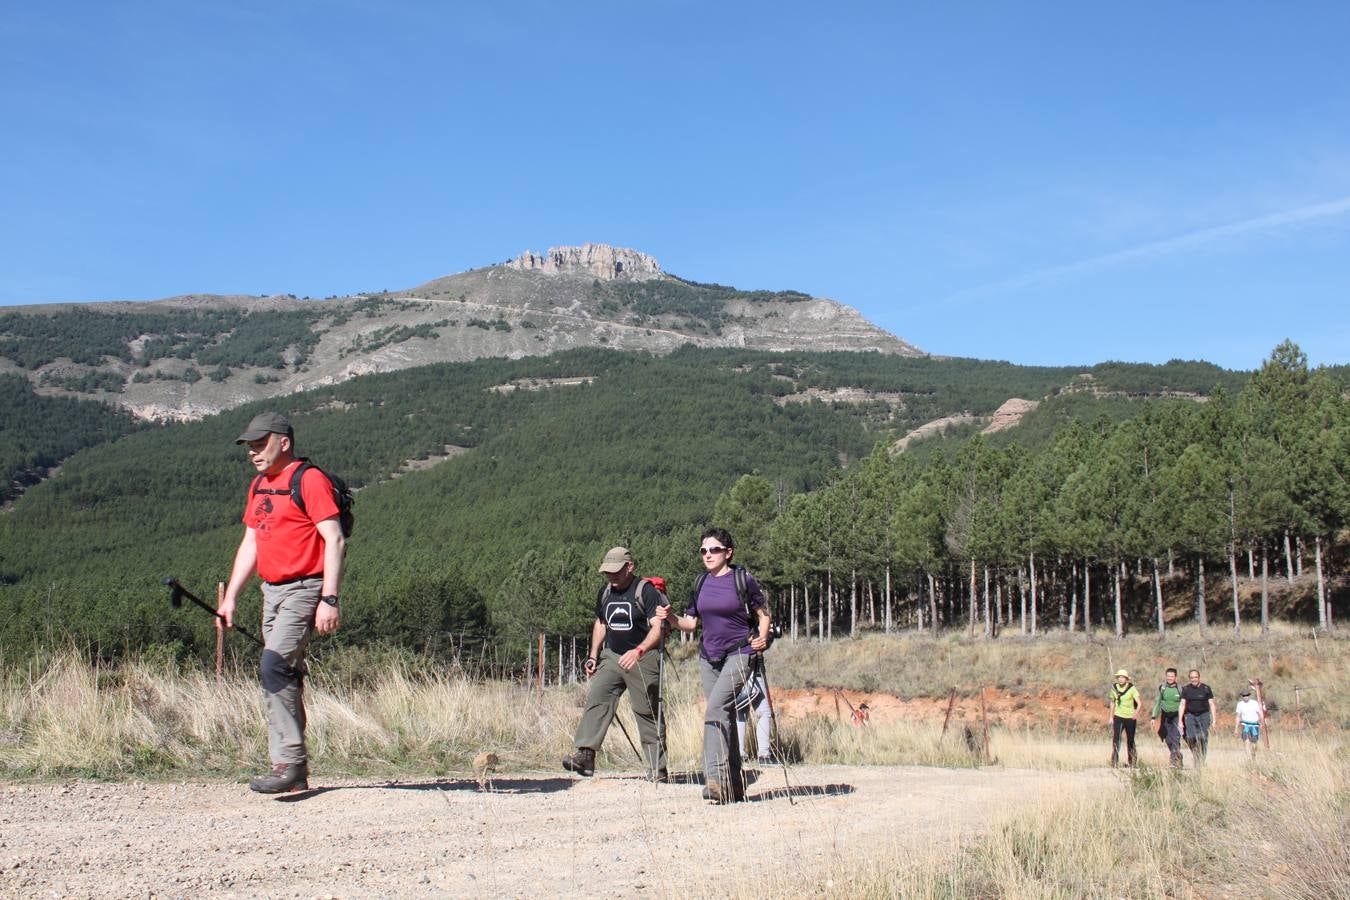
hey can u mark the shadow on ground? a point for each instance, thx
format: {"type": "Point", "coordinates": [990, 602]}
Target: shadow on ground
{"type": "Point", "coordinates": [494, 786]}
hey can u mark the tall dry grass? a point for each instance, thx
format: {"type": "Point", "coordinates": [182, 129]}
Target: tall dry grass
{"type": "Point", "coordinates": [60, 715]}
{"type": "Point", "coordinates": [1275, 828]}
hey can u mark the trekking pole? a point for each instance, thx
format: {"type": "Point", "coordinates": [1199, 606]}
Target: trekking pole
{"type": "Point", "coordinates": [179, 592]}
{"type": "Point", "coordinates": [660, 706]}
{"type": "Point", "coordinates": [619, 722]}
{"type": "Point", "coordinates": [768, 697]}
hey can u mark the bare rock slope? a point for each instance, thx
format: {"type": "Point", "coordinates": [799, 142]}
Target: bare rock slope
{"type": "Point", "coordinates": [535, 304]}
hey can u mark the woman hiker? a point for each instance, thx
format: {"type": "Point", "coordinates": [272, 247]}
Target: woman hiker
{"type": "Point", "coordinates": [1124, 700]}
{"type": "Point", "coordinates": [730, 604]}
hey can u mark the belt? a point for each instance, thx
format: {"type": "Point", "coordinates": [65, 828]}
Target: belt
{"type": "Point", "coordinates": [293, 580]}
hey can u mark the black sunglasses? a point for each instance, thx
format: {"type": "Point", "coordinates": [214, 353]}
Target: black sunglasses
{"type": "Point", "coordinates": [708, 551]}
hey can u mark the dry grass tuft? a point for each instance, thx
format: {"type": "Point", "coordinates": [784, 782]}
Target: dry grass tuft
{"type": "Point", "coordinates": [1278, 828]}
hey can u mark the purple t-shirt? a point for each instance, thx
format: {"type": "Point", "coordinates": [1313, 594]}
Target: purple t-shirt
{"type": "Point", "coordinates": [726, 628]}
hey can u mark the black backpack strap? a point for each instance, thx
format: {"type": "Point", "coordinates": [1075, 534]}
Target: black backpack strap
{"type": "Point", "coordinates": [742, 590]}
{"type": "Point", "coordinates": [296, 496]}
{"type": "Point", "coordinates": [698, 586]}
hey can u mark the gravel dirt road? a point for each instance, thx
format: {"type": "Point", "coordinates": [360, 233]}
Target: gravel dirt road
{"type": "Point", "coordinates": [528, 835]}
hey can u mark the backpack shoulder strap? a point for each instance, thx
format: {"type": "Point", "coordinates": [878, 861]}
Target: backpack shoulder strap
{"type": "Point", "coordinates": [698, 586]}
{"type": "Point", "coordinates": [296, 496]}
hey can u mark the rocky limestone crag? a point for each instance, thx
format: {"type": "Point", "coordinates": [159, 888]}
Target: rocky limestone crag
{"type": "Point", "coordinates": [1009, 414]}
{"type": "Point", "coordinates": [936, 426]}
{"type": "Point", "coordinates": [533, 306]}
{"type": "Point", "coordinates": [593, 260]}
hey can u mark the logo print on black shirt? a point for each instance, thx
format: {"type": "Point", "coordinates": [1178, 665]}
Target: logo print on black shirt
{"type": "Point", "coordinates": [619, 616]}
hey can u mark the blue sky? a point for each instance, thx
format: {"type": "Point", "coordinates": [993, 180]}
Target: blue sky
{"type": "Point", "coordinates": [1041, 182]}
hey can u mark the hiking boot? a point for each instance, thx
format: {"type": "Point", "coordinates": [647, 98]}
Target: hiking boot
{"type": "Point", "coordinates": [582, 762]}
{"type": "Point", "coordinates": [284, 777]}
{"type": "Point", "coordinates": [720, 793]}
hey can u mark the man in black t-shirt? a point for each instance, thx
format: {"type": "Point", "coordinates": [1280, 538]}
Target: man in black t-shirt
{"type": "Point", "coordinates": [625, 630]}
{"type": "Point", "coordinates": [1198, 712]}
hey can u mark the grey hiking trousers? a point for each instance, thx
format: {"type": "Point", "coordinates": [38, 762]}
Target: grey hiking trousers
{"type": "Point", "coordinates": [721, 745]}
{"type": "Point", "coordinates": [608, 684]}
{"type": "Point", "coordinates": [288, 623]}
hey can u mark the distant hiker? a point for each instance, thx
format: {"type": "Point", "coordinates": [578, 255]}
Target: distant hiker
{"type": "Point", "coordinates": [755, 695]}
{"type": "Point", "coordinates": [1124, 701]}
{"type": "Point", "coordinates": [298, 550]}
{"type": "Point", "coordinates": [735, 618]}
{"type": "Point", "coordinates": [862, 715]}
{"type": "Point", "coordinates": [626, 628]}
{"type": "Point", "coordinates": [1248, 718]}
{"type": "Point", "coordinates": [1198, 714]}
{"type": "Point", "coordinates": [1167, 713]}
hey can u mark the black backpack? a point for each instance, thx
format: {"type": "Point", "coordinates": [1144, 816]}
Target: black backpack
{"type": "Point", "coordinates": [742, 592]}
{"type": "Point", "coordinates": [342, 495]}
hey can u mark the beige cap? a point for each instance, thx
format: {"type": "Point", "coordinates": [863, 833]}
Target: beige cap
{"type": "Point", "coordinates": [616, 559]}
{"type": "Point", "coordinates": [1120, 672]}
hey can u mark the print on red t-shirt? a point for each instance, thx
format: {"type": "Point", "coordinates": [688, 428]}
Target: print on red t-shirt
{"type": "Point", "coordinates": [289, 546]}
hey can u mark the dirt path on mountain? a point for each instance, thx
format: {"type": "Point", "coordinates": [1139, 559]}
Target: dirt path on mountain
{"type": "Point", "coordinates": [530, 834]}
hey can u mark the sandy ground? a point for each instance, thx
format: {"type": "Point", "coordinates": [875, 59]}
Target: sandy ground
{"type": "Point", "coordinates": [529, 835]}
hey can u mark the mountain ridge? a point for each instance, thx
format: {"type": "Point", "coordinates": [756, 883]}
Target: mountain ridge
{"type": "Point", "coordinates": [532, 305]}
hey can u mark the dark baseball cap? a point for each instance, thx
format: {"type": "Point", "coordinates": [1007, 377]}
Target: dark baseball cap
{"type": "Point", "coordinates": [264, 424]}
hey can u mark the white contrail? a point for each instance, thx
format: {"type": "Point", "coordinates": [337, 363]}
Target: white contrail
{"type": "Point", "coordinates": [1298, 216]}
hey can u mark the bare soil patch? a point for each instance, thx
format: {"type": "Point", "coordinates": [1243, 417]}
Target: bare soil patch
{"type": "Point", "coordinates": [1039, 707]}
{"type": "Point", "coordinates": [614, 835]}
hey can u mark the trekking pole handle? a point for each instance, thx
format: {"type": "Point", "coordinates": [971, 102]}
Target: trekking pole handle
{"type": "Point", "coordinates": [179, 591]}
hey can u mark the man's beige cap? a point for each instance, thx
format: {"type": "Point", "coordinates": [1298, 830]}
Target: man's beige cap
{"type": "Point", "coordinates": [616, 559]}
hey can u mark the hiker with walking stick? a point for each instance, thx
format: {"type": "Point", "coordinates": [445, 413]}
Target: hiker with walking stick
{"type": "Point", "coordinates": [730, 604]}
{"type": "Point", "coordinates": [625, 630]}
{"type": "Point", "coordinates": [293, 539]}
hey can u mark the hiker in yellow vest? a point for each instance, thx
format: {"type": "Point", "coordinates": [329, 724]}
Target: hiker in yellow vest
{"type": "Point", "coordinates": [1124, 702]}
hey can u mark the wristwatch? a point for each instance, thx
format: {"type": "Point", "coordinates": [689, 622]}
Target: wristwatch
{"type": "Point", "coordinates": [330, 599]}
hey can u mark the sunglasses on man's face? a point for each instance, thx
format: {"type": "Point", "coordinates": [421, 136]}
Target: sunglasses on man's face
{"type": "Point", "coordinates": [709, 551]}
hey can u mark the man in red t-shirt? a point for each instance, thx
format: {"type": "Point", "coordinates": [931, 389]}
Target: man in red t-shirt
{"type": "Point", "coordinates": [298, 553]}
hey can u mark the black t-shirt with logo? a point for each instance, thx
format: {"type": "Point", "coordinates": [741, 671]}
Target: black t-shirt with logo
{"type": "Point", "coordinates": [1197, 697]}
{"type": "Point", "coordinates": [625, 616]}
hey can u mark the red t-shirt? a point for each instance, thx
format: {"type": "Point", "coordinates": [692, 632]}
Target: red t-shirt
{"type": "Point", "coordinates": [289, 546]}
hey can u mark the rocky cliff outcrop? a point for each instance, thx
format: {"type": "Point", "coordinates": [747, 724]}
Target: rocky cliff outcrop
{"type": "Point", "coordinates": [533, 305]}
{"type": "Point", "coordinates": [1009, 414]}
{"type": "Point", "coordinates": [594, 260]}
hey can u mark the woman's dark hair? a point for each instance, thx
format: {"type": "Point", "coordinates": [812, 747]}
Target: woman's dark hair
{"type": "Point", "coordinates": [721, 534]}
